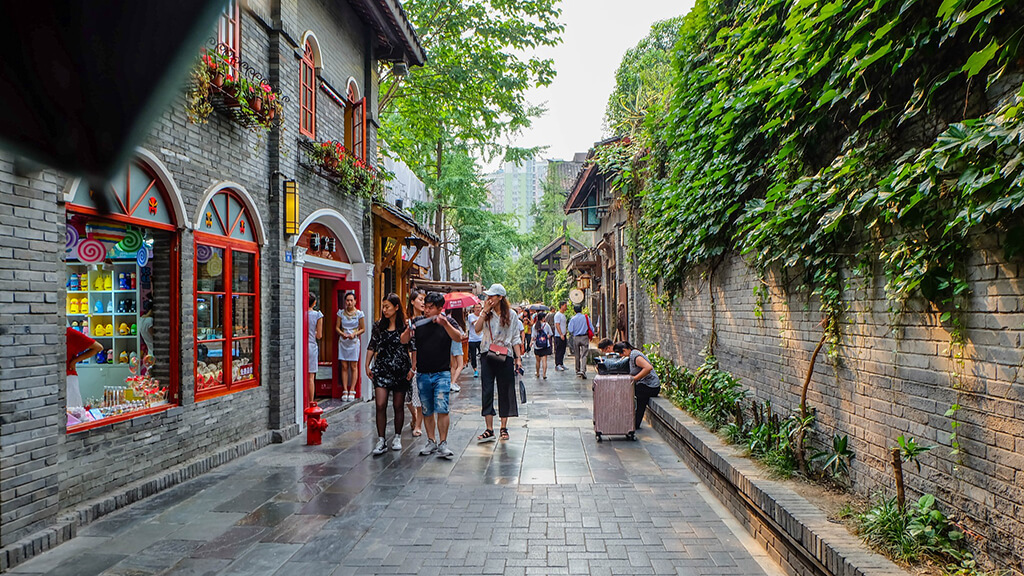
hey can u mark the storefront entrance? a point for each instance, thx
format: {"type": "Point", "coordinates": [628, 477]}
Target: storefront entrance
{"type": "Point", "coordinates": [330, 290]}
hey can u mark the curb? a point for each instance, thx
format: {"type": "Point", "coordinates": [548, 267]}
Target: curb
{"type": "Point", "coordinates": [795, 533]}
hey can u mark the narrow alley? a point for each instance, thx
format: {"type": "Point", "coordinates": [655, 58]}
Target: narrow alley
{"type": "Point", "coordinates": [550, 500]}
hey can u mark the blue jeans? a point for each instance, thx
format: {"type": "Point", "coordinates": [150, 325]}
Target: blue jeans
{"type": "Point", "coordinates": [434, 388]}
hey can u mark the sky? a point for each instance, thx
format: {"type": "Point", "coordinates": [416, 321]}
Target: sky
{"type": "Point", "coordinates": [597, 34]}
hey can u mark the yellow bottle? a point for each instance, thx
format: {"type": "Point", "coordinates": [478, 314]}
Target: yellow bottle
{"type": "Point", "coordinates": [98, 283]}
{"type": "Point", "coordinates": [108, 281]}
{"type": "Point", "coordinates": [72, 305]}
{"type": "Point", "coordinates": [97, 329]}
{"type": "Point", "coordinates": [109, 330]}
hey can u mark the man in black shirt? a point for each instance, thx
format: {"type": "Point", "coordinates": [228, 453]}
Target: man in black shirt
{"type": "Point", "coordinates": [433, 335]}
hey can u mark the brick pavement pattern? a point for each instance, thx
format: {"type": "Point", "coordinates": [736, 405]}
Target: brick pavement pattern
{"type": "Point", "coordinates": [551, 500]}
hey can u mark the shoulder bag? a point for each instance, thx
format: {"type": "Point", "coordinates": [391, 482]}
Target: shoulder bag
{"type": "Point", "coordinates": [495, 352]}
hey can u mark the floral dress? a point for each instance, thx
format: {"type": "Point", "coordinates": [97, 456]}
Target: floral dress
{"type": "Point", "coordinates": [391, 362]}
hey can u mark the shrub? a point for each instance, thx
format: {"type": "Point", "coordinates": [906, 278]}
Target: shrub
{"type": "Point", "coordinates": [912, 533]}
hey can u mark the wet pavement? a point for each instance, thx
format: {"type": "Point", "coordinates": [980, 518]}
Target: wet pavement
{"type": "Point", "coordinates": [550, 500]}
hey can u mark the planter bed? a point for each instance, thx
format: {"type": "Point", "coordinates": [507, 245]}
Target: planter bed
{"type": "Point", "coordinates": [794, 532]}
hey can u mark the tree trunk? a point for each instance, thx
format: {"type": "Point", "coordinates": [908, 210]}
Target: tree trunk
{"type": "Point", "coordinates": [435, 265]}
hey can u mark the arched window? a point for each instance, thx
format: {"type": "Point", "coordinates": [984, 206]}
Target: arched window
{"type": "Point", "coordinates": [307, 91]}
{"type": "Point", "coordinates": [227, 298]}
{"type": "Point", "coordinates": [122, 280]}
{"type": "Point", "coordinates": [355, 122]}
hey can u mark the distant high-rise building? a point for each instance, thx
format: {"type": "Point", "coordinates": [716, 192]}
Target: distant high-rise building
{"type": "Point", "coordinates": [515, 188]}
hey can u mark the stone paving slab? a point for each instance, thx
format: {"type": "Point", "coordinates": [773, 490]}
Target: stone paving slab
{"type": "Point", "coordinates": [550, 500]}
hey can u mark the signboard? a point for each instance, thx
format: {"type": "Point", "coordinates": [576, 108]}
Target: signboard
{"type": "Point", "coordinates": [319, 241]}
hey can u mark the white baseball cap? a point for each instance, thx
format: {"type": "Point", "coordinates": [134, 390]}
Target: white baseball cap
{"type": "Point", "coordinates": [495, 290]}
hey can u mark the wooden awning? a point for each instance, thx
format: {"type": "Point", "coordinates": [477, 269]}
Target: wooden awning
{"type": "Point", "coordinates": [392, 222]}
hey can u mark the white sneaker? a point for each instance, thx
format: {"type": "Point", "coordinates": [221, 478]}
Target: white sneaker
{"type": "Point", "coordinates": [380, 448]}
{"type": "Point", "coordinates": [429, 448]}
{"type": "Point", "coordinates": [396, 444]}
{"type": "Point", "coordinates": [456, 387]}
{"type": "Point", "coordinates": [443, 451]}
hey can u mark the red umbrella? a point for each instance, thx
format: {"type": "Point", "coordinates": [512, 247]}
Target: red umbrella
{"type": "Point", "coordinates": [459, 300]}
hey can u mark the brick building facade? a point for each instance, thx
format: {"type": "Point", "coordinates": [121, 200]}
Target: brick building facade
{"type": "Point", "coordinates": [196, 177]}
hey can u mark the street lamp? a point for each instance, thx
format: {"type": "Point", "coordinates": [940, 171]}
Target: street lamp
{"type": "Point", "coordinates": [583, 282]}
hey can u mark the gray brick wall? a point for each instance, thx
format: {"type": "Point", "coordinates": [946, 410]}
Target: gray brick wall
{"type": "Point", "coordinates": [44, 470]}
{"type": "Point", "coordinates": [880, 385]}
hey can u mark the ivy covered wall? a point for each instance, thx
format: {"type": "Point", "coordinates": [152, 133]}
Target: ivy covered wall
{"type": "Point", "coordinates": [881, 383]}
{"type": "Point", "coordinates": [850, 171]}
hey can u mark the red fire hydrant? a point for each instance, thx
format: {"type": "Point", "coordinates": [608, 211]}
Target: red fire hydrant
{"type": "Point", "coordinates": [315, 425]}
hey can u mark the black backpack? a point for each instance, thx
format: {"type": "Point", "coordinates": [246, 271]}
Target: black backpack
{"type": "Point", "coordinates": [542, 339]}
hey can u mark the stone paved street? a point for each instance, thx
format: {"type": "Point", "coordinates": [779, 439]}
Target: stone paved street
{"type": "Point", "coordinates": [551, 500]}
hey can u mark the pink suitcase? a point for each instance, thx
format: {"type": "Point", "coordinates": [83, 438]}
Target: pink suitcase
{"type": "Point", "coordinates": [614, 405]}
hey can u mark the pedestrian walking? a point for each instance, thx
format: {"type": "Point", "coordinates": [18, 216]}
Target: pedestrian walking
{"type": "Point", "coordinates": [350, 326]}
{"type": "Point", "coordinates": [621, 319]}
{"type": "Point", "coordinates": [458, 363]}
{"type": "Point", "coordinates": [527, 328]}
{"type": "Point", "coordinates": [581, 331]}
{"type": "Point", "coordinates": [646, 384]}
{"type": "Point", "coordinates": [474, 338]}
{"type": "Point", "coordinates": [314, 332]}
{"type": "Point", "coordinates": [434, 334]}
{"type": "Point", "coordinates": [543, 341]}
{"type": "Point", "coordinates": [413, 400]}
{"type": "Point", "coordinates": [389, 367]}
{"type": "Point", "coordinates": [502, 344]}
{"type": "Point", "coordinates": [561, 336]}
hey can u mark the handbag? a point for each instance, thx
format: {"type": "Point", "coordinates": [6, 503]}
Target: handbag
{"type": "Point", "coordinates": [590, 329]}
{"type": "Point", "coordinates": [496, 352]}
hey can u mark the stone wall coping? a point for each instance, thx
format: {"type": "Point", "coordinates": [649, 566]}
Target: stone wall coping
{"type": "Point", "coordinates": [829, 545]}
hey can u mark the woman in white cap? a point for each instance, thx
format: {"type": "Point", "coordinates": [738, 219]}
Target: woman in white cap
{"type": "Point", "coordinates": [502, 354]}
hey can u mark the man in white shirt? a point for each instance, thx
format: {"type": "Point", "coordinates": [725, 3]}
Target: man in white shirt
{"type": "Point", "coordinates": [560, 336]}
{"type": "Point", "coordinates": [580, 329]}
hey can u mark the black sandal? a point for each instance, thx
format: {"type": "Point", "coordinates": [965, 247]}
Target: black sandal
{"type": "Point", "coordinates": [487, 436]}
{"type": "Point", "coordinates": [504, 433]}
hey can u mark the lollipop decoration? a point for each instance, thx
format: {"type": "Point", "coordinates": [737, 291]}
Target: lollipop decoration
{"type": "Point", "coordinates": [203, 253]}
{"type": "Point", "coordinates": [91, 251]}
{"type": "Point", "coordinates": [215, 266]}
{"type": "Point", "coordinates": [142, 257]}
{"type": "Point", "coordinates": [71, 236]}
{"type": "Point", "coordinates": [131, 242]}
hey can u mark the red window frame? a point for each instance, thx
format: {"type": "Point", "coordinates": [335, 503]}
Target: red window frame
{"type": "Point", "coordinates": [228, 338]}
{"type": "Point", "coordinates": [173, 387]}
{"type": "Point", "coordinates": [307, 94]}
{"type": "Point", "coordinates": [229, 33]}
{"type": "Point", "coordinates": [355, 123]}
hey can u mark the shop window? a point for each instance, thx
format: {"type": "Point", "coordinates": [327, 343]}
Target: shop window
{"type": "Point", "coordinates": [229, 34]}
{"type": "Point", "coordinates": [307, 92]}
{"type": "Point", "coordinates": [121, 278]}
{"type": "Point", "coordinates": [227, 299]}
{"type": "Point", "coordinates": [355, 122]}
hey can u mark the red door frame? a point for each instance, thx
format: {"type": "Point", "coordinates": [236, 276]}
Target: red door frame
{"type": "Point", "coordinates": [340, 288]}
{"type": "Point", "coordinates": [308, 273]}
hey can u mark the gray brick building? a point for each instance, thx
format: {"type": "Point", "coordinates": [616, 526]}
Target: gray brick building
{"type": "Point", "coordinates": [188, 262]}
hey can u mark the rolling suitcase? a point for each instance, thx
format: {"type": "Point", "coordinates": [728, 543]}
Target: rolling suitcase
{"type": "Point", "coordinates": [614, 405]}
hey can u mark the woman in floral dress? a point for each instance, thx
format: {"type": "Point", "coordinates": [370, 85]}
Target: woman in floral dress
{"type": "Point", "coordinates": [389, 368]}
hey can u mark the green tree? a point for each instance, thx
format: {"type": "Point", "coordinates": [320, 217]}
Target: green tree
{"type": "Point", "coordinates": [472, 90]}
{"type": "Point", "coordinates": [484, 239]}
{"type": "Point", "coordinates": [643, 78]}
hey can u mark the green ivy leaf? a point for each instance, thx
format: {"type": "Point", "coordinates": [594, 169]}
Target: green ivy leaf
{"type": "Point", "coordinates": [979, 59]}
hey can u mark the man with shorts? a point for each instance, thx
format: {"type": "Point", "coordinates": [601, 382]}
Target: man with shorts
{"type": "Point", "coordinates": [434, 334]}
